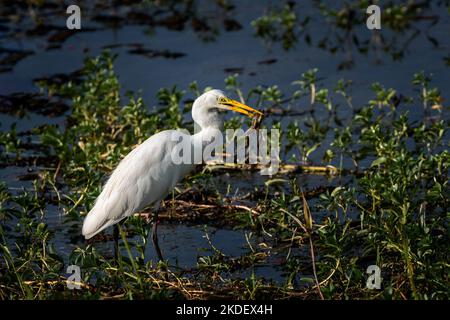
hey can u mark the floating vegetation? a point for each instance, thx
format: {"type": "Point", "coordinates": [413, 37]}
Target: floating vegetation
{"type": "Point", "coordinates": [19, 104]}
{"type": "Point", "coordinates": [340, 27]}
{"type": "Point", "coordinates": [8, 58]}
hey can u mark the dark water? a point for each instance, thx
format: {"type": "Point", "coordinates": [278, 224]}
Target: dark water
{"type": "Point", "coordinates": [209, 63]}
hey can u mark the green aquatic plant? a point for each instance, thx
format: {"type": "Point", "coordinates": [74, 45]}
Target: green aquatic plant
{"type": "Point", "coordinates": [278, 25]}
{"type": "Point", "coordinates": [340, 27]}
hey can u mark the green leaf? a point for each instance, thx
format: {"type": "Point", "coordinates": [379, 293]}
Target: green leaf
{"type": "Point", "coordinates": [307, 280]}
{"type": "Point", "coordinates": [378, 161]}
{"type": "Point", "coordinates": [336, 191]}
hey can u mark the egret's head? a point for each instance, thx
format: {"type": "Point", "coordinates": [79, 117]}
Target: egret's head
{"type": "Point", "coordinates": [205, 110]}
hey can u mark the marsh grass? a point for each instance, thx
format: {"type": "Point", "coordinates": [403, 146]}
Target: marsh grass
{"type": "Point", "coordinates": [385, 202]}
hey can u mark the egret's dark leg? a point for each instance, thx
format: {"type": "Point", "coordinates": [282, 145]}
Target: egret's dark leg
{"type": "Point", "coordinates": [116, 242]}
{"type": "Point", "coordinates": [155, 236]}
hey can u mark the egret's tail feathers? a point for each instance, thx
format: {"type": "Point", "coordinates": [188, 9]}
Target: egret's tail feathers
{"type": "Point", "coordinates": [95, 222]}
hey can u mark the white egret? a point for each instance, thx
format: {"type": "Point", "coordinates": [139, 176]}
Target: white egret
{"type": "Point", "coordinates": [148, 173]}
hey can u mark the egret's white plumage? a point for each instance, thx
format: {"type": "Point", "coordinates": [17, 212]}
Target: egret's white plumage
{"type": "Point", "coordinates": [148, 174]}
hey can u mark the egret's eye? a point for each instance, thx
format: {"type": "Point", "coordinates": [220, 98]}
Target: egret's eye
{"type": "Point", "coordinates": [222, 100]}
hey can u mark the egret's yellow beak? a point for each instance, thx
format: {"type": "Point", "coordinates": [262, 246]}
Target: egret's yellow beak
{"type": "Point", "coordinates": [236, 106]}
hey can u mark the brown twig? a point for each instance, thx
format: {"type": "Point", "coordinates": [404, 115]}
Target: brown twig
{"type": "Point", "coordinates": [58, 167]}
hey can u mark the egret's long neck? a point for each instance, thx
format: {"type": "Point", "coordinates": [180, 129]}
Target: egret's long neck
{"type": "Point", "coordinates": [207, 120]}
{"type": "Point", "coordinates": [207, 127]}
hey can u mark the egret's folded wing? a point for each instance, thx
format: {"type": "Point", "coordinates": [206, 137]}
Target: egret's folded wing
{"type": "Point", "coordinates": [146, 175]}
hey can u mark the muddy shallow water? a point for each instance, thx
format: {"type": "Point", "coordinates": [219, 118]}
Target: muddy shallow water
{"type": "Point", "coordinates": [160, 57]}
